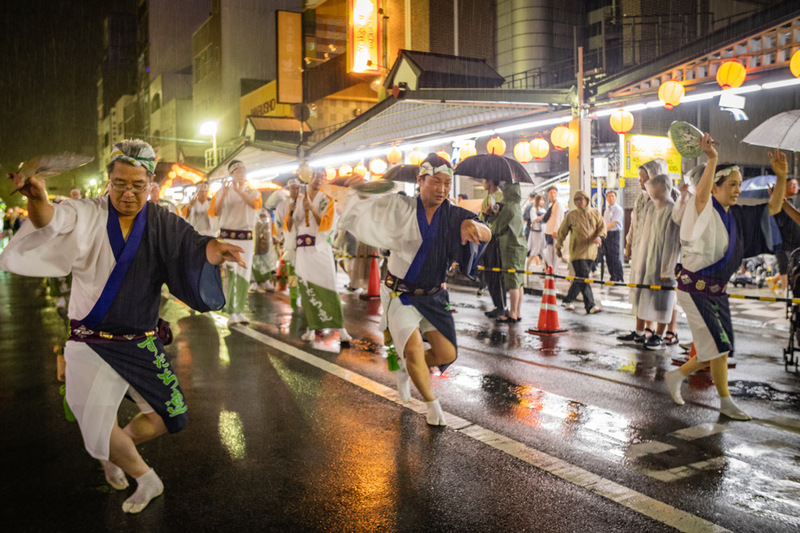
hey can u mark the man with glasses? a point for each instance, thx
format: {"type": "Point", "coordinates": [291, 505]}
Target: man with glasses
{"type": "Point", "coordinates": [235, 207]}
{"type": "Point", "coordinates": [120, 249]}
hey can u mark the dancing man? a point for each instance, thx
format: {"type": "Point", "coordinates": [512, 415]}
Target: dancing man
{"type": "Point", "coordinates": [120, 250]}
{"type": "Point", "coordinates": [425, 235]}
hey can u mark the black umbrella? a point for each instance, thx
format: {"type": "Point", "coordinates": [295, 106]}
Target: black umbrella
{"type": "Point", "coordinates": [406, 173]}
{"type": "Point", "coordinates": [494, 168]}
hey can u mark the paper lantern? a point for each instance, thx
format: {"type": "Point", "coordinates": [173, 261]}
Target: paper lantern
{"type": "Point", "coordinates": [330, 174]}
{"type": "Point", "coordinates": [539, 148]}
{"type": "Point", "coordinates": [345, 170]}
{"type": "Point", "coordinates": [395, 156]}
{"type": "Point", "coordinates": [468, 150]}
{"type": "Point", "coordinates": [621, 121]}
{"type": "Point", "coordinates": [522, 151]}
{"type": "Point", "coordinates": [670, 93]}
{"type": "Point", "coordinates": [360, 170]}
{"type": "Point", "coordinates": [561, 137]}
{"type": "Point", "coordinates": [496, 146]}
{"type": "Point", "coordinates": [444, 155]}
{"type": "Point", "coordinates": [731, 74]}
{"type": "Point", "coordinates": [794, 65]}
{"type": "Point", "coordinates": [416, 157]}
{"type": "Point", "coordinates": [172, 174]}
{"type": "Point", "coordinates": [378, 167]}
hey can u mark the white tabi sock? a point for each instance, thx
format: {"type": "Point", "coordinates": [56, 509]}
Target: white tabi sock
{"type": "Point", "coordinates": [435, 416]}
{"type": "Point", "coordinates": [403, 381]}
{"type": "Point", "coordinates": [149, 487]}
{"type": "Point", "coordinates": [728, 408]}
{"type": "Point", "coordinates": [115, 476]}
{"type": "Point", "coordinates": [674, 379]}
{"type": "Point", "coordinates": [344, 337]}
{"type": "Point", "coordinates": [309, 335]}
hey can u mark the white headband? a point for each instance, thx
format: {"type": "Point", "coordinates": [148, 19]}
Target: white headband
{"type": "Point", "coordinates": [426, 169]}
{"type": "Point", "coordinates": [725, 172]}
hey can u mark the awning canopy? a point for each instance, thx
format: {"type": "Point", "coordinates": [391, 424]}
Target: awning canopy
{"type": "Point", "coordinates": [256, 156]}
{"type": "Point", "coordinates": [425, 114]}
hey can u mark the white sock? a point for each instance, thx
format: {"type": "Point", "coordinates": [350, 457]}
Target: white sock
{"type": "Point", "coordinates": [435, 415]}
{"type": "Point", "coordinates": [640, 333]}
{"type": "Point", "coordinates": [115, 476]}
{"type": "Point", "coordinates": [728, 408]}
{"type": "Point", "coordinates": [344, 336]}
{"type": "Point", "coordinates": [403, 381]}
{"type": "Point", "coordinates": [674, 379]}
{"type": "Point", "coordinates": [309, 335]}
{"type": "Point", "coordinates": [149, 487]}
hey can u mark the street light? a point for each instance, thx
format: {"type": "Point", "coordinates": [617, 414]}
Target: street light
{"type": "Point", "coordinates": [209, 129]}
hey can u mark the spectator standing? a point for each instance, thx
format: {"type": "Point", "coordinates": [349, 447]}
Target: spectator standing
{"type": "Point", "coordinates": [553, 219]}
{"type": "Point", "coordinates": [614, 219]}
{"type": "Point", "coordinates": [586, 228]}
{"type": "Point", "coordinates": [790, 234]}
{"type": "Point", "coordinates": [508, 228]}
{"type": "Point", "coordinates": [490, 207]}
{"type": "Point", "coordinates": [536, 242]}
{"type": "Point", "coordinates": [197, 211]}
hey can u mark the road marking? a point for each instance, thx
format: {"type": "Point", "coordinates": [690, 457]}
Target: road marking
{"type": "Point", "coordinates": [641, 449]}
{"type": "Point", "coordinates": [698, 432]}
{"type": "Point", "coordinates": [636, 501]}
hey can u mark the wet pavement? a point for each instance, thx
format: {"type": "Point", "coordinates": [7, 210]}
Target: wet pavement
{"type": "Point", "coordinates": [567, 433]}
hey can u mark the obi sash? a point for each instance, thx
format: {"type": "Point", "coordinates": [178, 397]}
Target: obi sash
{"type": "Point", "coordinates": [238, 235]}
{"type": "Point", "coordinates": [399, 285]}
{"type": "Point", "coordinates": [696, 283]}
{"type": "Point", "coordinates": [306, 240]}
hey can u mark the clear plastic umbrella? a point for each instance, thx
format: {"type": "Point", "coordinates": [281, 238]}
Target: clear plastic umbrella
{"type": "Point", "coordinates": [781, 131]}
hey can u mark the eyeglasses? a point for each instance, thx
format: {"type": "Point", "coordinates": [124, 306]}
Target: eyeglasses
{"type": "Point", "coordinates": [135, 189]}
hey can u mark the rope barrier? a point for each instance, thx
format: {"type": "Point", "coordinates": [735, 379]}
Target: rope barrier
{"type": "Point", "coordinates": [369, 256]}
{"type": "Point", "coordinates": [638, 286]}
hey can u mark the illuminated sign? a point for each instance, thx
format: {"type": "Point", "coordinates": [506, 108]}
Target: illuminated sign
{"type": "Point", "coordinates": [363, 37]}
{"type": "Point", "coordinates": [290, 57]}
{"type": "Point", "coordinates": [640, 149]}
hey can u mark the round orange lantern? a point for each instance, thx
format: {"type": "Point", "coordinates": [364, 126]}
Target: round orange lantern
{"type": "Point", "coordinates": [416, 157]}
{"type": "Point", "coordinates": [794, 64]}
{"type": "Point", "coordinates": [731, 74]}
{"type": "Point", "coordinates": [172, 174]}
{"type": "Point", "coordinates": [378, 167]}
{"type": "Point", "coordinates": [522, 151]}
{"type": "Point", "coordinates": [330, 174]}
{"type": "Point", "coordinates": [621, 121]}
{"type": "Point", "coordinates": [444, 155]}
{"type": "Point", "coordinates": [345, 170]}
{"type": "Point", "coordinates": [468, 150]}
{"type": "Point", "coordinates": [395, 156]}
{"type": "Point", "coordinates": [539, 148]}
{"type": "Point", "coordinates": [670, 93]}
{"type": "Point", "coordinates": [360, 170]}
{"type": "Point", "coordinates": [561, 137]}
{"type": "Point", "coordinates": [496, 146]}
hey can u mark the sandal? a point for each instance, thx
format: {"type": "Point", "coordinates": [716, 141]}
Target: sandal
{"type": "Point", "coordinates": [671, 338]}
{"type": "Point", "coordinates": [507, 320]}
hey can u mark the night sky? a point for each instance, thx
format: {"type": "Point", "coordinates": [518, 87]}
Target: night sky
{"type": "Point", "coordinates": [50, 54]}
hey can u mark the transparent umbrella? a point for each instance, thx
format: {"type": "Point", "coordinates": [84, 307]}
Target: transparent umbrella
{"type": "Point", "coordinates": [781, 131]}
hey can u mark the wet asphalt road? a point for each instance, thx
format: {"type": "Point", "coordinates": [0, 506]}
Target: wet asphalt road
{"type": "Point", "coordinates": [568, 433]}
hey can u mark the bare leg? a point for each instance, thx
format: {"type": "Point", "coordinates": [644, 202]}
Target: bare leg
{"type": "Point", "coordinates": [414, 354]}
{"type": "Point", "coordinates": [660, 328]}
{"type": "Point", "coordinates": [144, 427]}
{"type": "Point", "coordinates": [515, 306]}
{"type": "Point", "coordinates": [442, 352]}
{"type": "Point", "coordinates": [123, 453]}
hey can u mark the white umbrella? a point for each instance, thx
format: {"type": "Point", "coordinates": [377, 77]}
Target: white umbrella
{"type": "Point", "coordinates": [781, 131]}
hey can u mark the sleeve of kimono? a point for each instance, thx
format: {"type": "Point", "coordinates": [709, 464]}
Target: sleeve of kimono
{"type": "Point", "coordinates": [256, 196]}
{"type": "Point", "coordinates": [467, 255]}
{"type": "Point", "coordinates": [694, 224]}
{"type": "Point", "coordinates": [190, 277]}
{"type": "Point", "coordinates": [757, 231]}
{"type": "Point", "coordinates": [384, 220]}
{"type": "Point", "coordinates": [326, 218]}
{"type": "Point", "coordinates": [680, 208]}
{"type": "Point", "coordinates": [50, 251]}
{"type": "Point", "coordinates": [672, 249]}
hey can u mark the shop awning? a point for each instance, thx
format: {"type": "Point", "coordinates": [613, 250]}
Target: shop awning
{"type": "Point", "coordinates": [417, 116]}
{"type": "Point", "coordinates": [256, 156]}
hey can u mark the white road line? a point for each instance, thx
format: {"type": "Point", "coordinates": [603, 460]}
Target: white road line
{"type": "Point", "coordinates": [636, 501]}
{"type": "Point", "coordinates": [698, 432]}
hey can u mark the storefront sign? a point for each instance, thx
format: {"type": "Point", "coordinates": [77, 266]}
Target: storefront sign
{"type": "Point", "coordinates": [640, 149]}
{"type": "Point", "coordinates": [363, 37]}
{"type": "Point", "coordinates": [290, 57]}
{"type": "Point", "coordinates": [263, 102]}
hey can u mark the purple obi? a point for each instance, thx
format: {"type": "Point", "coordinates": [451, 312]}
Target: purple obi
{"type": "Point", "coordinates": [306, 240]}
{"type": "Point", "coordinates": [236, 234]}
{"type": "Point", "coordinates": [695, 283]}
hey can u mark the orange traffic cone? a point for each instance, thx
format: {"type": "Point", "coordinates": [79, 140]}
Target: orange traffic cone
{"type": "Point", "coordinates": [374, 287]}
{"type": "Point", "coordinates": [281, 275]}
{"type": "Point", "coordinates": [548, 313]}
